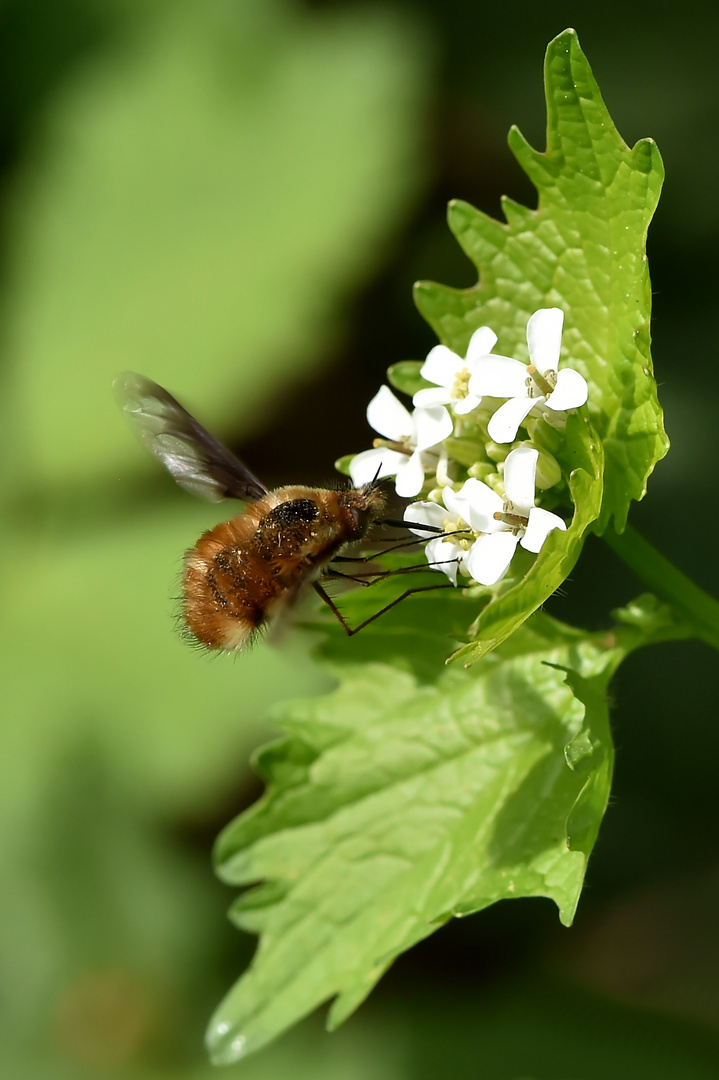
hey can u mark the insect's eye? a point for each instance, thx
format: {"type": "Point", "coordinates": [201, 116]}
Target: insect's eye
{"type": "Point", "coordinates": [361, 519]}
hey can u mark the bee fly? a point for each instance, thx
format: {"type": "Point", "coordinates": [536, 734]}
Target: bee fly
{"type": "Point", "coordinates": [245, 571]}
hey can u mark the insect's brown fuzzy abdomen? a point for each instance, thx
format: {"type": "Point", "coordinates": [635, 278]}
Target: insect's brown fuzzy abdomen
{"type": "Point", "coordinates": [226, 588]}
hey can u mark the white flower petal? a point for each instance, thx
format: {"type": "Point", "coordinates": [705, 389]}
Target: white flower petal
{"type": "Point", "coordinates": [364, 467]}
{"type": "Point", "coordinates": [441, 366]}
{"type": "Point", "coordinates": [456, 504]}
{"type": "Point", "coordinates": [441, 468]}
{"type": "Point", "coordinates": [570, 392]}
{"type": "Point", "coordinates": [481, 342]}
{"type": "Point", "coordinates": [444, 556]}
{"type": "Point", "coordinates": [519, 472]}
{"type": "Point", "coordinates": [479, 505]}
{"type": "Point", "coordinates": [499, 376]}
{"type": "Point", "coordinates": [462, 406]}
{"type": "Point", "coordinates": [410, 476]}
{"type": "Point", "coordinates": [544, 338]}
{"type": "Point", "coordinates": [489, 557]}
{"type": "Point", "coordinates": [503, 426]}
{"type": "Point", "coordinates": [387, 415]}
{"type": "Point", "coordinates": [425, 513]}
{"type": "Point", "coordinates": [541, 523]}
{"type": "Point", "coordinates": [431, 395]}
{"type": "Point", "coordinates": [431, 426]}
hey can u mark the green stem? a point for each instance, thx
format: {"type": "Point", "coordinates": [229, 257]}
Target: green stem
{"type": "Point", "coordinates": [699, 609]}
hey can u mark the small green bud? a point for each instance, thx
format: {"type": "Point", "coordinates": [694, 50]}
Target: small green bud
{"type": "Point", "coordinates": [549, 473]}
{"type": "Point", "coordinates": [465, 451]}
{"type": "Point", "coordinates": [543, 435]}
{"type": "Point", "coordinates": [497, 451]}
{"type": "Point", "coordinates": [496, 482]}
{"type": "Point", "coordinates": [481, 470]}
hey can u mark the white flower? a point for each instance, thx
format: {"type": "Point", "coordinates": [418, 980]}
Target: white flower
{"type": "Point", "coordinates": [410, 436]}
{"type": "Point", "coordinates": [444, 552]}
{"type": "Point", "coordinates": [448, 551]}
{"type": "Point", "coordinates": [486, 527]}
{"type": "Point", "coordinates": [451, 373]}
{"type": "Point", "coordinates": [540, 386]}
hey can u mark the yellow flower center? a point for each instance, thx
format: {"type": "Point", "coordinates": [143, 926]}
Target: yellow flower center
{"type": "Point", "coordinates": [460, 389]}
{"type": "Point", "coordinates": [458, 526]}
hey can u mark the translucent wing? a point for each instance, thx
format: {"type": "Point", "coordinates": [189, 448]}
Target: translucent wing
{"type": "Point", "coordinates": [197, 461]}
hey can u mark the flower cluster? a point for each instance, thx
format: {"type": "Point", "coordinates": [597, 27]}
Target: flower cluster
{"type": "Point", "coordinates": [456, 445]}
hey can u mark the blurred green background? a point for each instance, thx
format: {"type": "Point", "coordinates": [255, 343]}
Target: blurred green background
{"type": "Point", "coordinates": [234, 198]}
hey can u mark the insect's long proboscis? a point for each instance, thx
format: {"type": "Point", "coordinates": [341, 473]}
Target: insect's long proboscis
{"type": "Point", "coordinates": [396, 524]}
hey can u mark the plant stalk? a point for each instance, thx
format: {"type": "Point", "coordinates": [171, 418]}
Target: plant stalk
{"type": "Point", "coordinates": [699, 609]}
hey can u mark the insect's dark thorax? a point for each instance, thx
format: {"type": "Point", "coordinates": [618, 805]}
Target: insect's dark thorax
{"type": "Point", "coordinates": [303, 533]}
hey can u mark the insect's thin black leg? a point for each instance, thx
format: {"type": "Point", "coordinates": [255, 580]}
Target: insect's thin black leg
{"type": "Point", "coordinates": [379, 554]}
{"type": "Point", "coordinates": [379, 575]}
{"type": "Point", "coordinates": [357, 558]}
{"type": "Point", "coordinates": [327, 599]}
{"type": "Point", "coordinates": [357, 579]}
{"type": "Point", "coordinates": [355, 630]}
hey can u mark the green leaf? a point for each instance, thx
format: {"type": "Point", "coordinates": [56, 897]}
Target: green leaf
{"type": "Point", "coordinates": [582, 459]}
{"type": "Point", "coordinates": [393, 805]}
{"type": "Point", "coordinates": [582, 249]}
{"type": "Point", "coordinates": [406, 378]}
{"type": "Point", "coordinates": [342, 465]}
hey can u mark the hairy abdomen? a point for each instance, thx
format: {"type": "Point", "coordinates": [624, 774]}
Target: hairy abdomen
{"type": "Point", "coordinates": [228, 592]}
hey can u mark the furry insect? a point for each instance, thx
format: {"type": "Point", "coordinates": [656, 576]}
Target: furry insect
{"type": "Point", "coordinates": [242, 573]}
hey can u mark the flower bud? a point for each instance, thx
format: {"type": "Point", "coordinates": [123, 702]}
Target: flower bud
{"type": "Point", "coordinates": [496, 482]}
{"type": "Point", "coordinates": [549, 473]}
{"type": "Point", "coordinates": [496, 451]}
{"type": "Point", "coordinates": [465, 451]}
{"type": "Point", "coordinates": [544, 435]}
{"type": "Point", "coordinates": [481, 470]}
